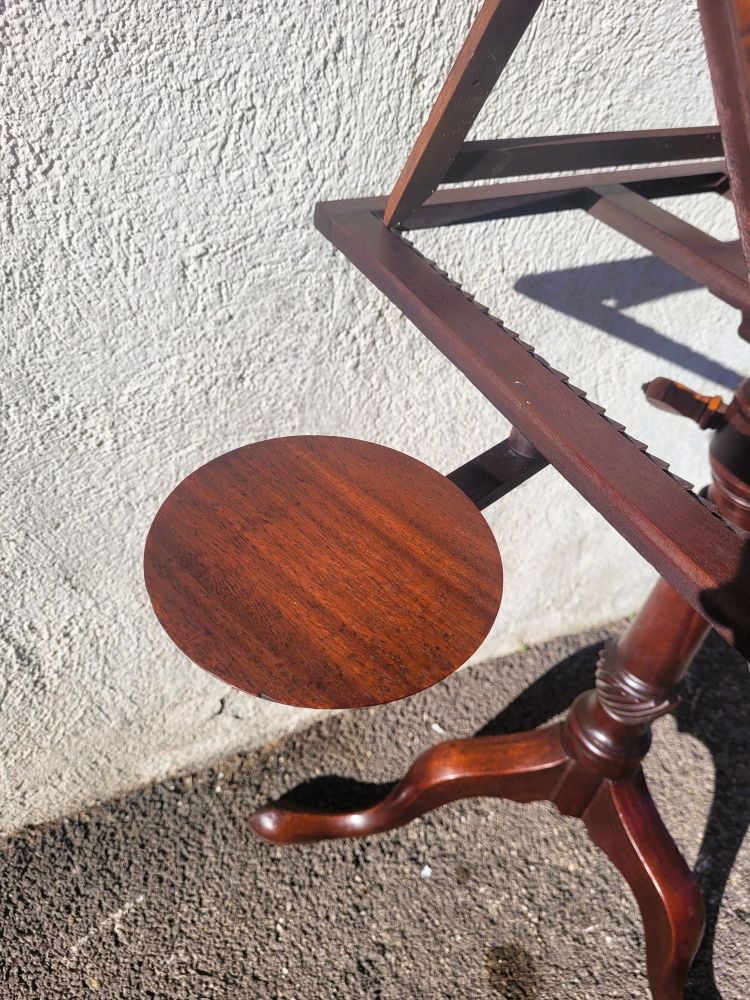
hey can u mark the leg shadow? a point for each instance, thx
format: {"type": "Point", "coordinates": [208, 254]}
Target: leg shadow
{"type": "Point", "coordinates": [334, 793]}
{"type": "Point", "coordinates": [715, 710]}
{"type": "Point", "coordinates": [550, 695]}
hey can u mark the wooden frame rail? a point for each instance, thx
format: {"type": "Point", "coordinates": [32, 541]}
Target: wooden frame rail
{"type": "Point", "coordinates": [680, 534]}
{"type": "Point", "coordinates": [490, 159]}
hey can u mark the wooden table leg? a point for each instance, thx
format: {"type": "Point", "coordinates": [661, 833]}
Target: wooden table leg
{"type": "Point", "coordinates": [623, 821]}
{"type": "Point", "coordinates": [608, 733]}
{"type": "Point", "coordinates": [525, 767]}
{"type": "Point", "coordinates": [589, 767]}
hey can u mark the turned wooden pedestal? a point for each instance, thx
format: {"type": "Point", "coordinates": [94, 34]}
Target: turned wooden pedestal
{"type": "Point", "coordinates": [590, 766]}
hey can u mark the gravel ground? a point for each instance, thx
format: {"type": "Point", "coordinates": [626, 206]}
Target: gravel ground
{"type": "Point", "coordinates": [166, 894]}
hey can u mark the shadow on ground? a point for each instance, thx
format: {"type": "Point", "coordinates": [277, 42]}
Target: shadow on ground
{"type": "Point", "coordinates": [166, 893]}
{"type": "Point", "coordinates": [715, 710]}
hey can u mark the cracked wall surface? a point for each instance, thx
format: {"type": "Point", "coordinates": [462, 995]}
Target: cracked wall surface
{"type": "Point", "coordinates": [166, 298]}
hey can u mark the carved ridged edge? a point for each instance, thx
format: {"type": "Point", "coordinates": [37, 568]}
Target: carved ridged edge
{"type": "Point", "coordinates": [684, 484]}
{"type": "Point", "coordinates": [628, 699]}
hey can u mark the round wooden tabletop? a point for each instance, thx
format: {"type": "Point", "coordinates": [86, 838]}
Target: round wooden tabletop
{"type": "Point", "coordinates": [323, 572]}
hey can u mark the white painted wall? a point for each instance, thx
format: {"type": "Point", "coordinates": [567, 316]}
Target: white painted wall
{"type": "Point", "coordinates": [166, 298]}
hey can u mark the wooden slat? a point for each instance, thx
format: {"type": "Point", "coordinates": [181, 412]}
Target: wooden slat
{"type": "Point", "coordinates": [719, 266]}
{"type": "Point", "coordinates": [726, 32]}
{"type": "Point", "coordinates": [489, 45]}
{"type": "Point", "coordinates": [479, 161]}
{"type": "Point", "coordinates": [455, 206]}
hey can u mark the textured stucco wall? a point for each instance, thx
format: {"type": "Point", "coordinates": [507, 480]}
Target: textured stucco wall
{"type": "Point", "coordinates": [166, 298]}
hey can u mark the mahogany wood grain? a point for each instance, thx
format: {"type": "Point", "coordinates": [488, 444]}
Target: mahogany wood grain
{"type": "Point", "coordinates": [589, 767]}
{"type": "Point", "coordinates": [542, 196]}
{"type": "Point", "coordinates": [695, 551]}
{"type": "Point", "coordinates": [719, 266]}
{"type": "Point", "coordinates": [323, 572]}
{"type": "Point", "coordinates": [493, 37]}
{"type": "Point", "coordinates": [331, 575]}
{"type": "Point", "coordinates": [659, 644]}
{"type": "Point", "coordinates": [524, 768]}
{"type": "Point", "coordinates": [726, 33]}
{"type": "Point", "coordinates": [486, 158]}
{"type": "Point", "coordinates": [623, 821]}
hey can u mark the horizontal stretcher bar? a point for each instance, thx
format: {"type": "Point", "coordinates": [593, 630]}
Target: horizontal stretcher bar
{"type": "Point", "coordinates": [486, 159]}
{"type": "Point", "coordinates": [719, 266]}
{"type": "Point", "coordinates": [497, 471]}
{"type": "Point", "coordinates": [619, 198]}
{"type": "Point", "coordinates": [511, 199]}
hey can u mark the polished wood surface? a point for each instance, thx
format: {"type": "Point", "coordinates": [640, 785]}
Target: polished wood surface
{"type": "Point", "coordinates": [526, 768]}
{"type": "Point", "coordinates": [323, 572]}
{"type": "Point", "coordinates": [590, 766]}
{"type": "Point", "coordinates": [491, 158]}
{"type": "Point", "coordinates": [648, 505]}
{"type": "Point", "coordinates": [726, 34]}
{"type": "Point", "coordinates": [623, 821]}
{"type": "Point", "coordinates": [497, 30]}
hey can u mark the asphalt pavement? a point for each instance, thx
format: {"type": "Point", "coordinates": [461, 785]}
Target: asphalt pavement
{"type": "Point", "coordinates": [166, 893]}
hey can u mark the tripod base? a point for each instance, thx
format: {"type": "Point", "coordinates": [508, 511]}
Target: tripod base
{"type": "Point", "coordinates": [589, 767]}
{"type": "Point", "coordinates": [621, 819]}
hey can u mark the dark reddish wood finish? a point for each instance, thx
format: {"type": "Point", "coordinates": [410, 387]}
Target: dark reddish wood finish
{"type": "Point", "coordinates": [726, 32]}
{"type": "Point", "coordinates": [674, 397]}
{"type": "Point", "coordinates": [323, 571]}
{"type": "Point", "coordinates": [513, 199]}
{"type": "Point", "coordinates": [657, 647]}
{"type": "Point", "coordinates": [623, 821]}
{"type": "Point", "coordinates": [488, 158]}
{"type": "Point", "coordinates": [720, 266]}
{"type": "Point", "coordinates": [493, 37]}
{"type": "Point", "coordinates": [730, 459]}
{"type": "Point", "coordinates": [679, 533]}
{"type": "Point", "coordinates": [524, 768]}
{"type": "Point", "coordinates": [590, 767]}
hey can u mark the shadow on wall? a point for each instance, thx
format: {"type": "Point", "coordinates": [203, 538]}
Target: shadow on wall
{"type": "Point", "coordinates": [602, 291]}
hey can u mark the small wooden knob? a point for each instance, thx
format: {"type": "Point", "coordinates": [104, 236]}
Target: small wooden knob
{"type": "Point", "coordinates": [706, 411]}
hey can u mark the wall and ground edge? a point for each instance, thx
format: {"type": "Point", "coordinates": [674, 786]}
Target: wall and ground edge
{"type": "Point", "coordinates": [166, 299]}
